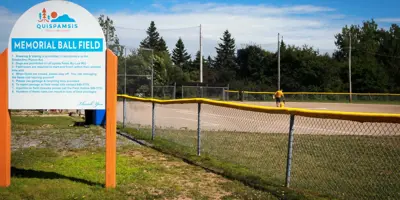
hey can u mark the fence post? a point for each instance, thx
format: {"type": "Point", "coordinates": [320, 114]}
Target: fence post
{"type": "Point", "coordinates": [223, 93]}
{"type": "Point", "coordinates": [152, 121]}
{"type": "Point", "coordinates": [290, 150]}
{"type": "Point", "coordinates": [182, 91]}
{"type": "Point", "coordinates": [174, 94]}
{"type": "Point", "coordinates": [227, 93]}
{"type": "Point", "coordinates": [124, 112]}
{"type": "Point", "coordinates": [198, 128]}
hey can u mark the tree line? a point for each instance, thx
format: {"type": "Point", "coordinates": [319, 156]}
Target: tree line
{"type": "Point", "coordinates": [375, 64]}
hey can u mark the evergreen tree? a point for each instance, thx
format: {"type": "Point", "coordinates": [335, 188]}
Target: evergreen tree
{"type": "Point", "coordinates": [225, 61]}
{"type": "Point", "coordinates": [195, 67]}
{"type": "Point", "coordinates": [210, 62]}
{"type": "Point", "coordinates": [180, 57]}
{"type": "Point", "coordinates": [196, 61]}
{"type": "Point", "coordinates": [210, 74]}
{"type": "Point", "coordinates": [152, 40]}
{"type": "Point", "coordinates": [162, 46]}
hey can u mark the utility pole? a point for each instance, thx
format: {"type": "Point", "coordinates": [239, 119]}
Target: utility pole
{"type": "Point", "coordinates": [201, 57]}
{"type": "Point", "coordinates": [152, 73]}
{"type": "Point", "coordinates": [350, 87]}
{"type": "Point", "coordinates": [279, 64]}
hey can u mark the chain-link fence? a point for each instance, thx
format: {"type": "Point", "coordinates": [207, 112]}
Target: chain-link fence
{"type": "Point", "coordinates": [328, 154]}
{"type": "Point", "coordinates": [209, 92]}
{"type": "Point", "coordinates": [135, 72]}
{"type": "Point", "coordinates": [165, 92]}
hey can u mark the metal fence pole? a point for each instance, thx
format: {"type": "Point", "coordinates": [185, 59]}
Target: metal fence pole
{"type": "Point", "coordinates": [198, 128]}
{"type": "Point", "coordinates": [152, 74]}
{"type": "Point", "coordinates": [227, 93]}
{"type": "Point", "coordinates": [223, 94]}
{"type": "Point", "coordinates": [124, 100]}
{"type": "Point", "coordinates": [182, 91]}
{"type": "Point", "coordinates": [124, 112]}
{"type": "Point", "coordinates": [174, 93]}
{"type": "Point", "coordinates": [290, 150]}
{"type": "Point", "coordinates": [152, 121]}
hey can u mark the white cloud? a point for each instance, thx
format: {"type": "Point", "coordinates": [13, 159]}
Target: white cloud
{"type": "Point", "coordinates": [247, 10]}
{"type": "Point", "coordinates": [158, 6]}
{"type": "Point", "coordinates": [258, 24]}
{"type": "Point", "coordinates": [388, 20]}
{"type": "Point", "coordinates": [7, 20]}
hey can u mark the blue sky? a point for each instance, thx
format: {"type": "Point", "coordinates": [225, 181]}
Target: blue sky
{"type": "Point", "coordinates": [360, 8]}
{"type": "Point", "coordinates": [300, 22]}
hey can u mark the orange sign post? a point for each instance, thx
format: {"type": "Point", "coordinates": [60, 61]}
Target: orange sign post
{"type": "Point", "coordinates": [5, 124]}
{"type": "Point", "coordinates": [111, 118]}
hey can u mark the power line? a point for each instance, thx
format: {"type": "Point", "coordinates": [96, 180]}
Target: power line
{"type": "Point", "coordinates": [167, 29]}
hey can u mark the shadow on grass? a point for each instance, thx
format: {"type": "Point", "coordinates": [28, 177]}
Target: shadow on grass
{"type": "Point", "coordinates": [28, 173]}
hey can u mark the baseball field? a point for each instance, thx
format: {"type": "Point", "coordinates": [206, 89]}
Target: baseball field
{"type": "Point", "coordinates": [338, 158]}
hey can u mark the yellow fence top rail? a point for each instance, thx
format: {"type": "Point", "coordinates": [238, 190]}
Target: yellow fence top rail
{"type": "Point", "coordinates": [323, 93]}
{"type": "Point", "coordinates": [353, 116]}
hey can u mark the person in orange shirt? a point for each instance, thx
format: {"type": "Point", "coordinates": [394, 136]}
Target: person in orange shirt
{"type": "Point", "coordinates": [278, 96]}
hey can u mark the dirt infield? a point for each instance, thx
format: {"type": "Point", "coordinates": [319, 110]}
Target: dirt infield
{"type": "Point", "coordinates": [213, 118]}
{"type": "Point", "coordinates": [347, 107]}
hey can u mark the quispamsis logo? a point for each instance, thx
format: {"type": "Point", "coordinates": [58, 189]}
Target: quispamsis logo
{"type": "Point", "coordinates": [55, 21]}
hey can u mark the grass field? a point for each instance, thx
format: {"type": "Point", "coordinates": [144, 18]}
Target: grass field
{"type": "Point", "coordinates": [332, 166]}
{"type": "Point", "coordinates": [52, 160]}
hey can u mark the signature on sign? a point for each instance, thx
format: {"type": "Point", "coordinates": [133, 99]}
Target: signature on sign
{"type": "Point", "coordinates": [91, 103]}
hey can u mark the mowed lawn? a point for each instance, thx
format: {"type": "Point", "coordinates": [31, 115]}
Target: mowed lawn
{"type": "Point", "coordinates": [53, 160]}
{"type": "Point", "coordinates": [343, 167]}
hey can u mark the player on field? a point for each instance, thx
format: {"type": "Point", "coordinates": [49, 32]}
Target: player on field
{"type": "Point", "coordinates": [278, 96]}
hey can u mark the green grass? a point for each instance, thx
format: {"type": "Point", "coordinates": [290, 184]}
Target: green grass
{"type": "Point", "coordinates": [45, 122]}
{"type": "Point", "coordinates": [344, 167]}
{"type": "Point", "coordinates": [142, 173]}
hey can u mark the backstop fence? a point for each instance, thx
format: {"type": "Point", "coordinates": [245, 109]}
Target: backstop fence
{"type": "Point", "coordinates": [209, 92]}
{"type": "Point", "coordinates": [164, 91]}
{"type": "Point", "coordinates": [288, 151]}
{"type": "Point", "coordinates": [315, 96]}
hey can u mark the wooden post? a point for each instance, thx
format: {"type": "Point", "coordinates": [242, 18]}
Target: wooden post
{"type": "Point", "coordinates": [5, 124]}
{"type": "Point", "coordinates": [111, 118]}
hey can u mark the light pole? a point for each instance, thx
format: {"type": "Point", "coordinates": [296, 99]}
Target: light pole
{"type": "Point", "coordinates": [279, 64]}
{"type": "Point", "coordinates": [152, 69]}
{"type": "Point", "coordinates": [201, 57]}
